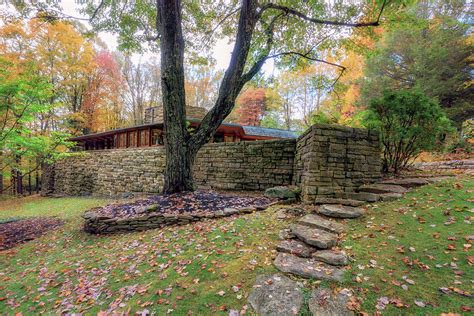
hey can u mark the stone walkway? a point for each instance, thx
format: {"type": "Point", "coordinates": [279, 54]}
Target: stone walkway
{"type": "Point", "coordinates": [309, 250]}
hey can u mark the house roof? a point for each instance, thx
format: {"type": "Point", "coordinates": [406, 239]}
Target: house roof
{"type": "Point", "coordinates": [268, 132]}
{"type": "Point", "coordinates": [255, 131]}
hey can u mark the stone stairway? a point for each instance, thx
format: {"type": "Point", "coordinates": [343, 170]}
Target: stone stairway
{"type": "Point", "coordinates": [308, 247]}
{"type": "Point", "coordinates": [310, 253]}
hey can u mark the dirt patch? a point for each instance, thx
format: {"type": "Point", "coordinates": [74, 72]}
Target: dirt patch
{"type": "Point", "coordinates": [19, 231]}
{"type": "Point", "coordinates": [182, 203]}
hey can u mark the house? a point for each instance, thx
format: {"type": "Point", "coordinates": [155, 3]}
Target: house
{"type": "Point", "coordinates": [151, 132]}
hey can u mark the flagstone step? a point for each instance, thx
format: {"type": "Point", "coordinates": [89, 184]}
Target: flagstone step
{"type": "Point", "coordinates": [407, 182]}
{"type": "Point", "coordinates": [348, 202]}
{"type": "Point", "coordinates": [307, 268]}
{"type": "Point", "coordinates": [323, 302]}
{"type": "Point", "coordinates": [315, 237]}
{"type": "Point", "coordinates": [341, 211]}
{"type": "Point", "coordinates": [276, 294]}
{"type": "Point", "coordinates": [316, 221]}
{"type": "Point", "coordinates": [332, 257]}
{"type": "Point", "coordinates": [359, 196]}
{"type": "Point", "coordinates": [295, 247]}
{"type": "Point", "coordinates": [379, 188]}
{"type": "Point", "coordinates": [390, 196]}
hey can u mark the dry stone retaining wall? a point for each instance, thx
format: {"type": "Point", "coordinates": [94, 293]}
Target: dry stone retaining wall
{"type": "Point", "coordinates": [331, 160]}
{"type": "Point", "coordinates": [325, 161]}
{"type": "Point", "coordinates": [98, 224]}
{"type": "Point", "coordinates": [254, 165]}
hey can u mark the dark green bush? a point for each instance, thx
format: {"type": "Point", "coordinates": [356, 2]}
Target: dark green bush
{"type": "Point", "coordinates": [408, 122]}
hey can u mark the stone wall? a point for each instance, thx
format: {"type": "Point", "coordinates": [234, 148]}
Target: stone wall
{"type": "Point", "coordinates": [333, 160]}
{"type": "Point", "coordinates": [325, 161]}
{"type": "Point", "coordinates": [232, 166]}
{"type": "Point", "coordinates": [108, 172]}
{"type": "Point", "coordinates": [254, 165]}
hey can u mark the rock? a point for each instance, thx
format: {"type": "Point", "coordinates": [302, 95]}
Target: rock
{"type": "Point", "coordinates": [341, 211]}
{"type": "Point", "coordinates": [286, 234]}
{"type": "Point", "coordinates": [332, 257]}
{"type": "Point", "coordinates": [324, 303]}
{"type": "Point", "coordinates": [276, 295]}
{"type": "Point", "coordinates": [315, 221]}
{"type": "Point", "coordinates": [341, 201]}
{"type": "Point", "coordinates": [228, 211]}
{"type": "Point", "coordinates": [407, 182]}
{"type": "Point", "coordinates": [314, 236]}
{"type": "Point", "coordinates": [360, 196]}
{"type": "Point", "coordinates": [379, 188]}
{"type": "Point", "coordinates": [307, 268]}
{"type": "Point", "coordinates": [281, 214]}
{"type": "Point", "coordinates": [281, 192]}
{"type": "Point", "coordinates": [390, 196]}
{"type": "Point", "coordinates": [295, 247]}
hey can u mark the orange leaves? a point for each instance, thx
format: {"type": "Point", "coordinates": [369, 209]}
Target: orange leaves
{"type": "Point", "coordinates": [251, 106]}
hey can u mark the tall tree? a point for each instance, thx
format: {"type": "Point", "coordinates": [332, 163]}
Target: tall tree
{"type": "Point", "coordinates": [102, 104]}
{"type": "Point", "coordinates": [432, 55]}
{"type": "Point", "coordinates": [262, 29]}
{"type": "Point", "coordinates": [251, 105]}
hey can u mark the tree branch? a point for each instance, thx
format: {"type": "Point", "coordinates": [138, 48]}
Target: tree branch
{"type": "Point", "coordinates": [94, 14]}
{"type": "Point", "coordinates": [303, 16]}
{"type": "Point", "coordinates": [261, 61]}
{"type": "Point", "coordinates": [228, 15]}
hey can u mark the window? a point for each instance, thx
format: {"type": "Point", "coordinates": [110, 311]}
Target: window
{"type": "Point", "coordinates": [156, 137]}
{"type": "Point", "coordinates": [144, 138]}
{"type": "Point", "coordinates": [132, 139]}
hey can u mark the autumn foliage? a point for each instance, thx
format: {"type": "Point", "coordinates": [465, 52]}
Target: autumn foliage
{"type": "Point", "coordinates": [251, 106]}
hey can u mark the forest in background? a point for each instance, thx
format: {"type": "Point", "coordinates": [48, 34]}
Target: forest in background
{"type": "Point", "coordinates": [58, 80]}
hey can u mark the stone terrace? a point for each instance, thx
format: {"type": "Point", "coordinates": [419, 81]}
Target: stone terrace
{"type": "Point", "coordinates": [326, 161]}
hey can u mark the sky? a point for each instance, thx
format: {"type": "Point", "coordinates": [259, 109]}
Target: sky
{"type": "Point", "coordinates": [221, 51]}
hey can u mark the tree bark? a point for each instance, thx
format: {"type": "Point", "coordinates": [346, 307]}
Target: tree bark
{"type": "Point", "coordinates": [182, 148]}
{"type": "Point", "coordinates": [178, 169]}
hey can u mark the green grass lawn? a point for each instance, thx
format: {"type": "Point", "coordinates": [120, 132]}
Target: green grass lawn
{"type": "Point", "coordinates": [206, 268]}
{"type": "Point", "coordinates": [405, 252]}
{"type": "Point", "coordinates": [209, 267]}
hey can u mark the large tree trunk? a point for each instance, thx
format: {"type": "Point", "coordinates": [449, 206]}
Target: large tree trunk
{"type": "Point", "coordinates": [181, 148]}
{"type": "Point", "coordinates": [178, 170]}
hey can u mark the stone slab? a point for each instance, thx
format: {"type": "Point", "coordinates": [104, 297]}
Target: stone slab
{"type": "Point", "coordinates": [307, 268]}
{"type": "Point", "coordinates": [390, 196]}
{"type": "Point", "coordinates": [286, 234]}
{"type": "Point", "coordinates": [348, 202]}
{"type": "Point", "coordinates": [276, 295]}
{"type": "Point", "coordinates": [332, 257]}
{"type": "Point", "coordinates": [341, 211]}
{"type": "Point", "coordinates": [315, 221]}
{"type": "Point", "coordinates": [360, 196]}
{"type": "Point", "coordinates": [407, 182]}
{"type": "Point", "coordinates": [315, 237]}
{"type": "Point", "coordinates": [324, 303]}
{"type": "Point", "coordinates": [295, 247]}
{"type": "Point", "coordinates": [379, 188]}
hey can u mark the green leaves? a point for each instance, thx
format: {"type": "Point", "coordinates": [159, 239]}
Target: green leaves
{"type": "Point", "coordinates": [24, 96]}
{"type": "Point", "coordinates": [408, 122]}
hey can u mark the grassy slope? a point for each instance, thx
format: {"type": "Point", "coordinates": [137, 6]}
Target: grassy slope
{"type": "Point", "coordinates": [184, 268]}
{"type": "Point", "coordinates": [178, 268]}
{"type": "Point", "coordinates": [390, 229]}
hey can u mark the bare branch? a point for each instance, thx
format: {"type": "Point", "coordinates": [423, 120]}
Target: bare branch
{"type": "Point", "coordinates": [303, 16]}
{"type": "Point", "coordinates": [96, 10]}
{"type": "Point", "coordinates": [261, 61]}
{"type": "Point", "coordinates": [228, 15]}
